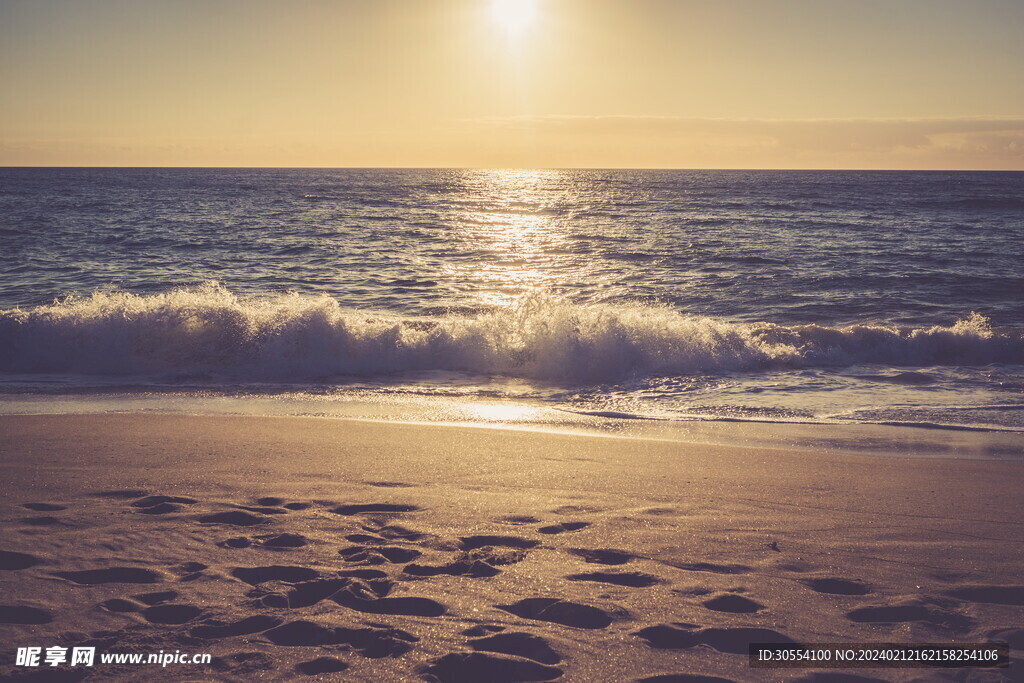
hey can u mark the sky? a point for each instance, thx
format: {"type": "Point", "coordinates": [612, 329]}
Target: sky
{"type": "Point", "coordinates": [903, 84]}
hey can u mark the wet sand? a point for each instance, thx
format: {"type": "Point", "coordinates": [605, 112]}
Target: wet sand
{"type": "Point", "coordinates": [366, 551]}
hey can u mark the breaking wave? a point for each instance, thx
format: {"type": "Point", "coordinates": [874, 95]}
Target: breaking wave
{"type": "Point", "coordinates": [209, 333]}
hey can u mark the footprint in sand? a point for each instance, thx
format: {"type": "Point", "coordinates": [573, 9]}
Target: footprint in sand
{"type": "Point", "coordinates": [996, 595]}
{"type": "Point", "coordinates": [359, 554]}
{"type": "Point", "coordinates": [160, 509]}
{"type": "Point", "coordinates": [518, 644]}
{"type": "Point", "coordinates": [370, 642]}
{"type": "Point", "coordinates": [372, 508]}
{"type": "Point", "coordinates": [474, 569]}
{"type": "Point", "coordinates": [13, 561]}
{"type": "Point", "coordinates": [710, 567]}
{"type": "Point", "coordinates": [1014, 637]}
{"type": "Point", "coordinates": [213, 630]}
{"type": "Point", "coordinates": [367, 574]}
{"type": "Point", "coordinates": [834, 586]}
{"type": "Point", "coordinates": [43, 507]}
{"type": "Point", "coordinates": [364, 598]}
{"type": "Point", "coordinates": [478, 666]}
{"type": "Point", "coordinates": [602, 556]}
{"type": "Point", "coordinates": [302, 634]}
{"type": "Point", "coordinates": [283, 541]}
{"type": "Point", "coordinates": [162, 505]}
{"type": "Point", "coordinates": [368, 596]}
{"type": "Point", "coordinates": [481, 630]}
{"type": "Point", "coordinates": [684, 678]}
{"type": "Point", "coordinates": [563, 527]}
{"type": "Point", "coordinates": [273, 502]}
{"type": "Point", "coordinates": [518, 519]}
{"type": "Point", "coordinates": [835, 677]}
{"type": "Point", "coordinates": [171, 614]}
{"type": "Point", "coordinates": [91, 577]}
{"type": "Point", "coordinates": [366, 538]}
{"type": "Point", "coordinates": [309, 593]}
{"type": "Point", "coordinates": [479, 557]}
{"type": "Point", "coordinates": [235, 542]}
{"type": "Point", "coordinates": [156, 598]}
{"type": "Point", "coordinates": [22, 614]}
{"type": "Point", "coordinates": [386, 534]}
{"type": "Point", "coordinates": [394, 532]}
{"type": "Point", "coordinates": [257, 575]}
{"type": "Point", "coordinates": [732, 640]}
{"type": "Point", "coordinates": [321, 665]}
{"type": "Point", "coordinates": [137, 603]}
{"type": "Point", "coordinates": [266, 599]}
{"type": "Point", "coordinates": [912, 610]}
{"type": "Point", "coordinates": [189, 571]}
{"type": "Point", "coordinates": [235, 518]}
{"type": "Point", "coordinates": [631, 579]}
{"type": "Point", "coordinates": [288, 574]}
{"type": "Point", "coordinates": [262, 510]}
{"type": "Point", "coordinates": [495, 557]}
{"type": "Point", "coordinates": [398, 555]}
{"type": "Point", "coordinates": [559, 612]}
{"type": "Point", "coordinates": [474, 542]}
{"type": "Point", "coordinates": [734, 604]}
{"type": "Point", "coordinates": [41, 521]}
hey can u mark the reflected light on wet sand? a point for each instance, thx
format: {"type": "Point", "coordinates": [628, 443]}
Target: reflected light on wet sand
{"type": "Point", "coordinates": [501, 412]}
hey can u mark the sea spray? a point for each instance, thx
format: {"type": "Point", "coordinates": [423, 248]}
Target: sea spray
{"type": "Point", "coordinates": [207, 332]}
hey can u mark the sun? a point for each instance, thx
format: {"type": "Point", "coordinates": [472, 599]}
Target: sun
{"type": "Point", "coordinates": [513, 15]}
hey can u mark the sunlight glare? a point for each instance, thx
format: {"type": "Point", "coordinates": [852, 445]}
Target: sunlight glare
{"type": "Point", "coordinates": [513, 15]}
{"type": "Point", "coordinates": [501, 412]}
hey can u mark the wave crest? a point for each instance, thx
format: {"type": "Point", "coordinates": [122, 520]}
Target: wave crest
{"type": "Point", "coordinates": [208, 332]}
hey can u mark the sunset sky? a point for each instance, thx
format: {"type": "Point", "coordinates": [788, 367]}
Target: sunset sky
{"type": "Point", "coordinates": [930, 84]}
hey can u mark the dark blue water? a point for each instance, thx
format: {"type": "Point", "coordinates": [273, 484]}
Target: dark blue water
{"type": "Point", "coordinates": [868, 296]}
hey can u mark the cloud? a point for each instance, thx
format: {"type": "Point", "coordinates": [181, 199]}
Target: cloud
{"type": "Point", "coordinates": [994, 142]}
{"type": "Point", "coordinates": [967, 142]}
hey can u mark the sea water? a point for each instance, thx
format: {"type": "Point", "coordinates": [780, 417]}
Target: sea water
{"type": "Point", "coordinates": [836, 297]}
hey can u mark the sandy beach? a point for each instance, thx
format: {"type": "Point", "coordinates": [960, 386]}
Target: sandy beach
{"type": "Point", "coordinates": [496, 341]}
{"type": "Point", "coordinates": [288, 547]}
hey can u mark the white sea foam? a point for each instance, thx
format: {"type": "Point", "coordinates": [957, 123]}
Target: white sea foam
{"type": "Point", "coordinates": [209, 333]}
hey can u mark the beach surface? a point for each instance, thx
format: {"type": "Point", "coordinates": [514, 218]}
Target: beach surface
{"type": "Point", "coordinates": [287, 547]}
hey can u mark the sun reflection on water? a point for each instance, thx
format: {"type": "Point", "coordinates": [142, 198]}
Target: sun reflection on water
{"type": "Point", "coordinates": [519, 245]}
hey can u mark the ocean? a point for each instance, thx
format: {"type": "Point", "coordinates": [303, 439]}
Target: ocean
{"type": "Point", "coordinates": [820, 297]}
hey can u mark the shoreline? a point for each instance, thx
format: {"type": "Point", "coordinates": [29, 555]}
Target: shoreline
{"type": "Point", "coordinates": [650, 534]}
{"type": "Point", "coordinates": [854, 438]}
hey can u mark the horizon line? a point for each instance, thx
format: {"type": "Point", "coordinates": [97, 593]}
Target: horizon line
{"type": "Point", "coordinates": [526, 168]}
